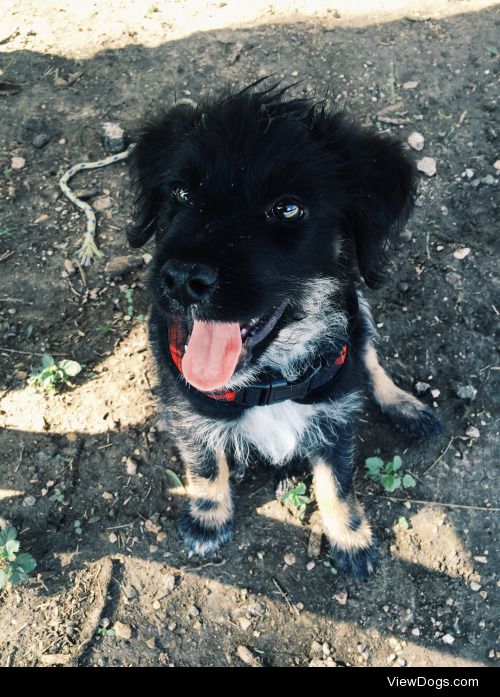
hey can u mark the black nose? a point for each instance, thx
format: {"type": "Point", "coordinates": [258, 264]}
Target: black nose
{"type": "Point", "coordinates": [188, 283]}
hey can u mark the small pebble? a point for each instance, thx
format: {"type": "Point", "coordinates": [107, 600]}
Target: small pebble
{"type": "Point", "coordinates": [481, 560]}
{"type": "Point", "coordinates": [112, 538]}
{"type": "Point", "coordinates": [422, 387]}
{"type": "Point", "coordinates": [289, 559]}
{"type": "Point", "coordinates": [29, 501]}
{"type": "Point", "coordinates": [69, 267]}
{"type": "Point", "coordinates": [472, 432]}
{"type": "Point", "coordinates": [247, 656]}
{"type": "Point", "coordinates": [113, 137]}
{"type": "Point", "coordinates": [310, 565]}
{"type": "Point", "coordinates": [131, 466]}
{"type": "Point", "coordinates": [41, 140]}
{"type": "Point", "coordinates": [156, 605]}
{"type": "Point", "coordinates": [427, 165]}
{"type": "Point", "coordinates": [107, 496]}
{"type": "Point", "coordinates": [130, 592]}
{"type": "Point", "coordinates": [461, 253]}
{"type": "Point", "coordinates": [122, 631]}
{"type": "Point", "coordinates": [415, 631]}
{"type": "Point", "coordinates": [161, 536]}
{"type": "Point", "coordinates": [341, 597]}
{"type": "Point", "coordinates": [193, 611]}
{"type": "Point", "coordinates": [391, 657]}
{"type": "Point", "coordinates": [168, 584]}
{"type": "Point", "coordinates": [17, 162]}
{"type": "Point", "coordinates": [474, 586]}
{"type": "Point", "coordinates": [416, 141]}
{"type": "Point", "coordinates": [244, 623]}
{"type": "Point", "coordinates": [435, 393]}
{"type": "Point", "coordinates": [316, 647]}
{"type": "Point", "coordinates": [466, 392]}
{"type": "Point", "coordinates": [448, 639]}
{"type": "Point", "coordinates": [151, 643]}
{"type": "Point", "coordinates": [102, 203]}
{"type": "Point", "coordinates": [151, 526]}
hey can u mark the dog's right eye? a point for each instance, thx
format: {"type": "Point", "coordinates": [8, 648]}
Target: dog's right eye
{"type": "Point", "coordinates": [181, 193]}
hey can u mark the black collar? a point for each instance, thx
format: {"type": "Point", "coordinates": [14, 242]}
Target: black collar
{"type": "Point", "coordinates": [270, 389]}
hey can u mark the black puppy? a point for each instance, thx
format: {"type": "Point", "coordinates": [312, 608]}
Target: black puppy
{"type": "Point", "coordinates": [261, 207]}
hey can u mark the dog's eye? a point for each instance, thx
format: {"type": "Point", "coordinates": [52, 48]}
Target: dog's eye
{"type": "Point", "coordinates": [287, 210]}
{"type": "Point", "coordinates": [181, 193]}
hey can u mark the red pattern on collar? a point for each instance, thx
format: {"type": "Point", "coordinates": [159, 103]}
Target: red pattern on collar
{"type": "Point", "coordinates": [176, 341]}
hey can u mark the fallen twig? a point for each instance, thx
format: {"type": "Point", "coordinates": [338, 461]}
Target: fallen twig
{"type": "Point", "coordinates": [435, 503]}
{"type": "Point", "coordinates": [440, 457]}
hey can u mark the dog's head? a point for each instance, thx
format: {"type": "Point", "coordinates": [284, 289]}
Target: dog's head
{"type": "Point", "coordinates": [261, 207]}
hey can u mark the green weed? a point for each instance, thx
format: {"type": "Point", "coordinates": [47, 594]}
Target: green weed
{"type": "Point", "coordinates": [389, 474]}
{"type": "Point", "coordinates": [14, 566]}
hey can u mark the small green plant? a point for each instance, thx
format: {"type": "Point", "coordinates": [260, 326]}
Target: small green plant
{"type": "Point", "coordinates": [129, 299]}
{"type": "Point", "coordinates": [14, 566]}
{"type": "Point", "coordinates": [57, 496]}
{"type": "Point", "coordinates": [492, 50]}
{"type": "Point", "coordinates": [403, 523]}
{"type": "Point", "coordinates": [330, 566]}
{"type": "Point", "coordinates": [389, 474]}
{"type": "Point", "coordinates": [105, 631]}
{"type": "Point", "coordinates": [297, 497]}
{"type": "Point", "coordinates": [103, 330]}
{"type": "Point", "coordinates": [52, 375]}
{"type": "Point", "coordinates": [78, 527]}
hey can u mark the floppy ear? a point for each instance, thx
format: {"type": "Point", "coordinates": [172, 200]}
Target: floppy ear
{"type": "Point", "coordinates": [377, 179]}
{"type": "Point", "coordinates": [150, 161]}
{"type": "Point", "coordinates": [385, 194]}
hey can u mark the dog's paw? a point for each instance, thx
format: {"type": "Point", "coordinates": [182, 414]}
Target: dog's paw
{"type": "Point", "coordinates": [360, 563]}
{"type": "Point", "coordinates": [414, 417]}
{"type": "Point", "coordinates": [201, 540]}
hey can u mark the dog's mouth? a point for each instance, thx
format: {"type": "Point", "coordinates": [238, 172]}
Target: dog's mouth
{"type": "Point", "coordinates": [213, 349]}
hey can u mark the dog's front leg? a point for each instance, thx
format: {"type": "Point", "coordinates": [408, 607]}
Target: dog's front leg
{"type": "Point", "coordinates": [206, 522]}
{"type": "Point", "coordinates": [351, 540]}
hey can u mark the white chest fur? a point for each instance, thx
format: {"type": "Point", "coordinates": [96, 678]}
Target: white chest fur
{"type": "Point", "coordinates": [278, 429]}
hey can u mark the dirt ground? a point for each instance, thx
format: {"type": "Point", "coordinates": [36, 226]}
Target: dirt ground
{"type": "Point", "coordinates": [96, 452]}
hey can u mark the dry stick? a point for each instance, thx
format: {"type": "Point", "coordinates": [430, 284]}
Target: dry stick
{"type": "Point", "coordinates": [435, 503]}
{"type": "Point", "coordinates": [440, 457]}
{"type": "Point", "coordinates": [30, 353]}
{"type": "Point", "coordinates": [15, 300]}
{"type": "Point", "coordinates": [92, 621]}
{"type": "Point", "coordinates": [285, 596]}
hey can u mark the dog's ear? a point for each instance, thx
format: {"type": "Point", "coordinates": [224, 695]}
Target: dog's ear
{"type": "Point", "coordinates": [149, 163]}
{"type": "Point", "coordinates": [379, 181]}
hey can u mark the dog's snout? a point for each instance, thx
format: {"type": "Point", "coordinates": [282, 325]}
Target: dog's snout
{"type": "Point", "coordinates": [188, 283]}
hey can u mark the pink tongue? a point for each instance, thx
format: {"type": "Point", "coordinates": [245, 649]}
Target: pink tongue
{"type": "Point", "coordinates": [212, 354]}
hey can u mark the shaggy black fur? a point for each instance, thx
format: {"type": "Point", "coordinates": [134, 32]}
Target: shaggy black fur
{"type": "Point", "coordinates": [213, 185]}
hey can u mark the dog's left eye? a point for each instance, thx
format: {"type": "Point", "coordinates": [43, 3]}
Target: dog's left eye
{"type": "Point", "coordinates": [287, 210]}
{"type": "Point", "coordinates": [181, 193]}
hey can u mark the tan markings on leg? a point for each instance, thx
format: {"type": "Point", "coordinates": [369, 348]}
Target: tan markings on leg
{"type": "Point", "coordinates": [337, 513]}
{"type": "Point", "coordinates": [385, 392]}
{"type": "Point", "coordinates": [215, 490]}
